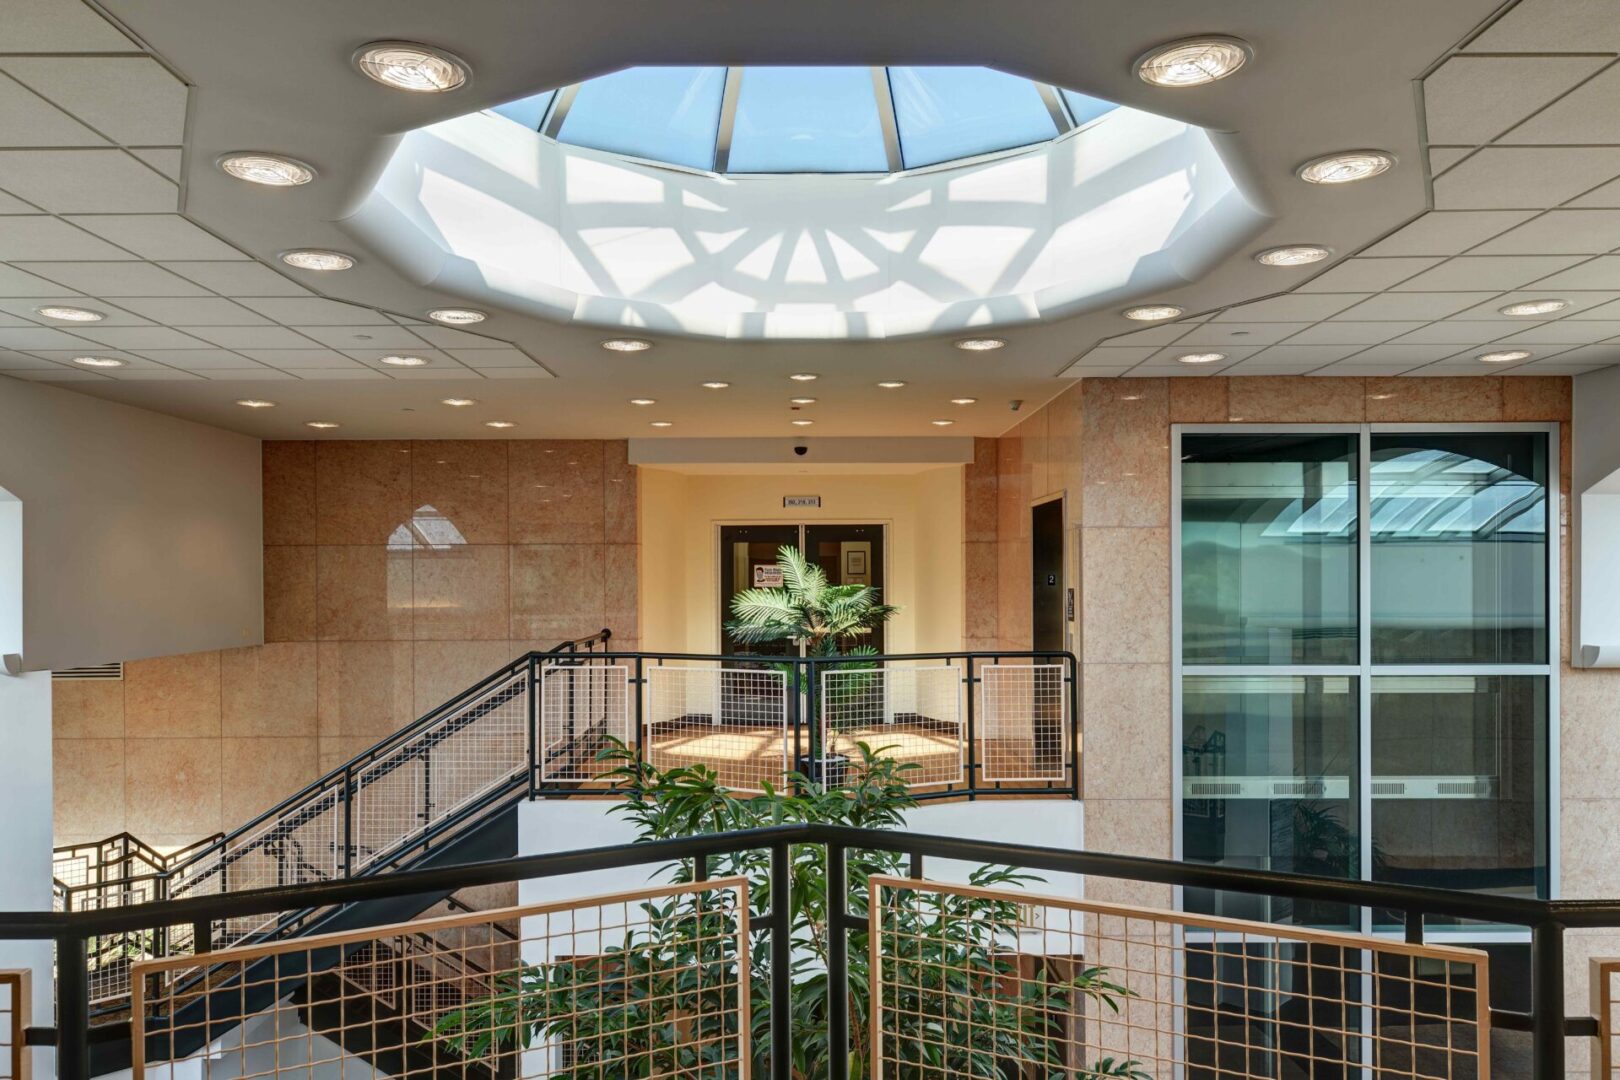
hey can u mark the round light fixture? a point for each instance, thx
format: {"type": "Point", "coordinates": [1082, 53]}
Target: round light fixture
{"type": "Point", "coordinates": [322, 424]}
{"type": "Point", "coordinates": [643, 401]}
{"type": "Point", "coordinates": [891, 384]}
{"type": "Point", "coordinates": [803, 400]}
{"type": "Point", "coordinates": [802, 423]}
{"type": "Point", "coordinates": [99, 361]}
{"type": "Point", "coordinates": [453, 316]}
{"type": "Point", "coordinates": [804, 376]}
{"type": "Point", "coordinates": [1153, 312]}
{"type": "Point", "coordinates": [256, 403]}
{"type": "Point", "coordinates": [404, 65]}
{"type": "Point", "coordinates": [1502, 357]}
{"type": "Point", "coordinates": [626, 345]}
{"type": "Point", "coordinates": [1292, 255]}
{"type": "Point", "coordinates": [1535, 307]}
{"type": "Point", "coordinates": [459, 402]}
{"type": "Point", "coordinates": [69, 314]}
{"type": "Point", "coordinates": [1346, 167]}
{"type": "Point", "coordinates": [271, 170]}
{"type": "Point", "coordinates": [405, 361]}
{"type": "Point", "coordinates": [963, 400]}
{"type": "Point", "coordinates": [979, 344]}
{"type": "Point", "coordinates": [1201, 357]}
{"type": "Point", "coordinates": [314, 259]}
{"type": "Point", "coordinates": [499, 423]}
{"type": "Point", "coordinates": [1192, 61]}
{"type": "Point", "coordinates": [942, 423]}
{"type": "Point", "coordinates": [716, 385]}
{"type": "Point", "coordinates": [661, 423]}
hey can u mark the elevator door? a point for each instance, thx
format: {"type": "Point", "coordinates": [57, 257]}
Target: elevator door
{"type": "Point", "coordinates": [1046, 533]}
{"type": "Point", "coordinates": [848, 554]}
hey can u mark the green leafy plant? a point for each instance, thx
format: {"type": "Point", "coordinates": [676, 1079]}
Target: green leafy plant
{"type": "Point", "coordinates": [807, 610]}
{"type": "Point", "coordinates": [659, 1003]}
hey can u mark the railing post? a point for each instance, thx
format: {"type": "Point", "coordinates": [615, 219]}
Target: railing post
{"type": "Point", "coordinates": [72, 1009]}
{"type": "Point", "coordinates": [837, 963]}
{"type": "Point", "coordinates": [1414, 927]}
{"type": "Point", "coordinates": [1074, 724]}
{"type": "Point", "coordinates": [795, 694]}
{"type": "Point", "coordinates": [1547, 1001]}
{"type": "Point", "coordinates": [348, 821]}
{"type": "Point", "coordinates": [640, 735]}
{"type": "Point", "coordinates": [534, 727]}
{"type": "Point", "coordinates": [781, 963]}
{"type": "Point", "coordinates": [972, 746]}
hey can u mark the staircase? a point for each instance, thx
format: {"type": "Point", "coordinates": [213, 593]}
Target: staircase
{"type": "Point", "coordinates": [438, 792]}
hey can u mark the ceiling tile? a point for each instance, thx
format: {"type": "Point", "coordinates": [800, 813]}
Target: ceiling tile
{"type": "Point", "coordinates": [1473, 99]}
{"type": "Point", "coordinates": [1602, 272]}
{"type": "Point", "coordinates": [1448, 232]}
{"type": "Point", "coordinates": [1162, 334]}
{"type": "Point", "coordinates": [1579, 303]}
{"type": "Point", "coordinates": [1392, 353]}
{"type": "Point", "coordinates": [1509, 177]}
{"type": "Point", "coordinates": [132, 100]}
{"type": "Point", "coordinates": [534, 371]}
{"type": "Point", "coordinates": [446, 336]}
{"type": "Point", "coordinates": [1482, 272]}
{"type": "Point", "coordinates": [14, 282]}
{"type": "Point", "coordinates": [1442, 158]}
{"type": "Point", "coordinates": [1314, 355]}
{"type": "Point", "coordinates": [1566, 332]}
{"type": "Point", "coordinates": [65, 356]}
{"type": "Point", "coordinates": [1556, 366]}
{"type": "Point", "coordinates": [238, 279]}
{"type": "Point", "coordinates": [1609, 310]}
{"type": "Point", "coordinates": [254, 337]}
{"type": "Point", "coordinates": [316, 311]}
{"type": "Point", "coordinates": [374, 357]}
{"type": "Point", "coordinates": [1605, 195]}
{"type": "Point", "coordinates": [1607, 353]}
{"type": "Point", "coordinates": [1356, 368]}
{"type": "Point", "coordinates": [1366, 275]}
{"type": "Point", "coordinates": [485, 359]}
{"type": "Point", "coordinates": [1552, 26]}
{"type": "Point", "coordinates": [1571, 232]}
{"type": "Point", "coordinates": [51, 238]}
{"type": "Point", "coordinates": [113, 314]}
{"type": "Point", "coordinates": [198, 311]}
{"type": "Point", "coordinates": [1422, 307]}
{"type": "Point", "coordinates": [137, 338]}
{"type": "Point", "coordinates": [364, 337]}
{"type": "Point", "coordinates": [59, 374]}
{"type": "Point", "coordinates": [434, 373]}
{"type": "Point", "coordinates": [15, 361]}
{"type": "Point", "coordinates": [1102, 356]}
{"type": "Point", "coordinates": [1586, 115]}
{"type": "Point", "coordinates": [1167, 357]}
{"type": "Point", "coordinates": [157, 236]}
{"type": "Point", "coordinates": [49, 26]}
{"type": "Point", "coordinates": [1221, 334]}
{"type": "Point", "coordinates": [86, 181]}
{"type": "Point", "coordinates": [1352, 333]}
{"type": "Point", "coordinates": [293, 359]}
{"type": "Point", "coordinates": [165, 159]}
{"type": "Point", "coordinates": [1263, 365]}
{"type": "Point", "coordinates": [41, 337]}
{"type": "Point", "coordinates": [257, 374]}
{"type": "Point", "coordinates": [115, 278]}
{"type": "Point", "coordinates": [359, 371]}
{"type": "Point", "coordinates": [209, 360]}
{"type": "Point", "coordinates": [153, 374]}
{"type": "Point", "coordinates": [1456, 332]}
{"type": "Point", "coordinates": [1292, 307]}
{"type": "Point", "coordinates": [26, 119]}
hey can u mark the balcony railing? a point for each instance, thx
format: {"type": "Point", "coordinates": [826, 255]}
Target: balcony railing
{"type": "Point", "coordinates": [943, 979]}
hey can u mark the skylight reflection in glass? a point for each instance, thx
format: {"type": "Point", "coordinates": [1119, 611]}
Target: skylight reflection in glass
{"type": "Point", "coordinates": [667, 114]}
{"type": "Point", "coordinates": [956, 112]}
{"type": "Point", "coordinates": [807, 120]}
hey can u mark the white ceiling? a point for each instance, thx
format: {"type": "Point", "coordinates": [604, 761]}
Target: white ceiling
{"type": "Point", "coordinates": [109, 199]}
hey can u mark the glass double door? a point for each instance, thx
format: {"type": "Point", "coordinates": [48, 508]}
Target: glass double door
{"type": "Point", "coordinates": [848, 554]}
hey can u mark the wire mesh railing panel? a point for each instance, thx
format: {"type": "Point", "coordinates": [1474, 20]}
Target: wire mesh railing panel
{"type": "Point", "coordinates": [732, 720]}
{"type": "Point", "coordinates": [1023, 722]}
{"type": "Point", "coordinates": [913, 714]}
{"type": "Point", "coordinates": [1604, 987]}
{"type": "Point", "coordinates": [976, 981]}
{"type": "Point", "coordinates": [14, 991]}
{"type": "Point", "coordinates": [583, 708]}
{"type": "Point", "coordinates": [648, 983]}
{"type": "Point", "coordinates": [409, 788]}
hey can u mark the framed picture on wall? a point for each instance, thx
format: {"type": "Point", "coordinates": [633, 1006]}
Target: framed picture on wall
{"type": "Point", "coordinates": [854, 564]}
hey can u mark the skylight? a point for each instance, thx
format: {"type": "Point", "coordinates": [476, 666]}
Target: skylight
{"type": "Point", "coordinates": [805, 119]}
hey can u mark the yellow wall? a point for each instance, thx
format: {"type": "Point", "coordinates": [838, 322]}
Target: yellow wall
{"type": "Point", "coordinates": [681, 515]}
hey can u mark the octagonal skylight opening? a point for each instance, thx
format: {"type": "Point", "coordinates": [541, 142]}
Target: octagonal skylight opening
{"type": "Point", "coordinates": [777, 120]}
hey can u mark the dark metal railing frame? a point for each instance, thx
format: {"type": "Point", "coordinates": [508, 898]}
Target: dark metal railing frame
{"type": "Point", "coordinates": [1547, 919]}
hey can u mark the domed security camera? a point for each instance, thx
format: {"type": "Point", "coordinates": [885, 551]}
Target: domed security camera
{"type": "Point", "coordinates": [801, 450]}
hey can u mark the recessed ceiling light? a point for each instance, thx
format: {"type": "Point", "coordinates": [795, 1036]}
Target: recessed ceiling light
{"type": "Point", "coordinates": [643, 401]}
{"type": "Point", "coordinates": [454, 316]}
{"type": "Point", "coordinates": [403, 65]}
{"type": "Point", "coordinates": [322, 424]}
{"type": "Point", "coordinates": [256, 403]}
{"type": "Point", "coordinates": [70, 314]}
{"type": "Point", "coordinates": [979, 344]}
{"type": "Point", "coordinates": [629, 344]}
{"type": "Point", "coordinates": [1535, 307]}
{"type": "Point", "coordinates": [405, 361]}
{"type": "Point", "coordinates": [661, 423]}
{"type": "Point", "coordinates": [1346, 168]}
{"type": "Point", "coordinates": [1502, 357]}
{"type": "Point", "coordinates": [715, 385]}
{"type": "Point", "coordinates": [803, 400]}
{"type": "Point", "coordinates": [802, 423]}
{"type": "Point", "coordinates": [804, 376]}
{"type": "Point", "coordinates": [963, 400]}
{"type": "Point", "coordinates": [459, 402]}
{"type": "Point", "coordinates": [1192, 62]}
{"type": "Point", "coordinates": [1201, 357]}
{"type": "Point", "coordinates": [98, 361]}
{"type": "Point", "coordinates": [499, 423]}
{"type": "Point", "coordinates": [1153, 312]}
{"type": "Point", "coordinates": [891, 384]}
{"type": "Point", "coordinates": [942, 423]}
{"type": "Point", "coordinates": [314, 259]}
{"type": "Point", "coordinates": [270, 170]}
{"type": "Point", "coordinates": [1292, 255]}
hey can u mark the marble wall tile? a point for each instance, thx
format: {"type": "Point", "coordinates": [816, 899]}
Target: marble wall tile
{"type": "Point", "coordinates": [1015, 615]}
{"type": "Point", "coordinates": [289, 492]}
{"type": "Point", "coordinates": [1126, 584]}
{"type": "Point", "coordinates": [257, 773]}
{"type": "Point", "coordinates": [334, 752]}
{"type": "Point", "coordinates": [1012, 490]}
{"type": "Point", "coordinates": [268, 690]}
{"type": "Point", "coordinates": [1034, 433]}
{"type": "Point", "coordinates": [1129, 827]}
{"type": "Point", "coordinates": [87, 782]}
{"type": "Point", "coordinates": [1198, 400]}
{"type": "Point", "coordinates": [445, 668]}
{"type": "Point", "coordinates": [460, 593]}
{"type": "Point", "coordinates": [981, 565]}
{"type": "Point", "coordinates": [1587, 837]}
{"type": "Point", "coordinates": [289, 593]}
{"type": "Point", "coordinates": [1126, 741]}
{"type": "Point", "coordinates": [1064, 426]}
{"type": "Point", "coordinates": [1296, 399]}
{"type": "Point", "coordinates": [459, 491]}
{"type": "Point", "coordinates": [556, 492]}
{"type": "Point", "coordinates": [365, 688]}
{"type": "Point", "coordinates": [979, 509]}
{"type": "Point", "coordinates": [1589, 707]}
{"type": "Point", "coordinates": [172, 786]}
{"type": "Point", "coordinates": [558, 591]}
{"type": "Point", "coordinates": [621, 493]}
{"type": "Point", "coordinates": [172, 697]}
{"type": "Point", "coordinates": [362, 491]}
{"type": "Point", "coordinates": [1470, 399]}
{"type": "Point", "coordinates": [1537, 397]}
{"type": "Point", "coordinates": [87, 709]}
{"type": "Point", "coordinates": [621, 599]}
{"type": "Point", "coordinates": [363, 594]}
{"type": "Point", "coordinates": [1127, 453]}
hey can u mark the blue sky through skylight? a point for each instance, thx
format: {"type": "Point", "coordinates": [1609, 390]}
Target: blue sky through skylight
{"type": "Point", "coordinates": [807, 119]}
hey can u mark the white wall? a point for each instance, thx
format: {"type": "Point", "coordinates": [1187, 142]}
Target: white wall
{"type": "Point", "coordinates": [143, 532]}
{"type": "Point", "coordinates": [25, 829]}
{"type": "Point", "coordinates": [1595, 513]}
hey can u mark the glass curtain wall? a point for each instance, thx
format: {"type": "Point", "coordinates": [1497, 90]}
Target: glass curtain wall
{"type": "Point", "coordinates": [1365, 659]}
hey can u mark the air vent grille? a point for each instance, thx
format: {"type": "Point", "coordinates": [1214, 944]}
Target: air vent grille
{"type": "Point", "coordinates": [114, 670]}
